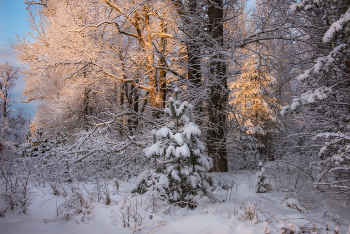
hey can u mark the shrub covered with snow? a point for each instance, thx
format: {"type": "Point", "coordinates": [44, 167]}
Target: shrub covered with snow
{"type": "Point", "coordinates": [179, 171]}
{"type": "Point", "coordinates": [250, 146]}
{"type": "Point", "coordinates": [263, 181]}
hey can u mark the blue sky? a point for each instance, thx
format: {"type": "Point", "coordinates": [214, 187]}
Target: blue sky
{"type": "Point", "coordinates": [13, 21]}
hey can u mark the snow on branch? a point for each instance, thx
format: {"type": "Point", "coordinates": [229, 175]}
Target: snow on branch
{"type": "Point", "coordinates": [338, 134]}
{"type": "Point", "coordinates": [342, 24]}
{"type": "Point", "coordinates": [79, 144]}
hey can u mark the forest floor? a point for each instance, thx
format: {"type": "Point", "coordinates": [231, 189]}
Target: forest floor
{"type": "Point", "coordinates": [291, 207]}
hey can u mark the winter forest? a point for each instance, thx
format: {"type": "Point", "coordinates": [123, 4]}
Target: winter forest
{"type": "Point", "coordinates": [179, 116]}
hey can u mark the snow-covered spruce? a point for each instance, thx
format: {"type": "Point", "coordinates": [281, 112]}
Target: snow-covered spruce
{"type": "Point", "coordinates": [39, 144]}
{"type": "Point", "coordinates": [179, 172]}
{"type": "Point", "coordinates": [262, 182]}
{"type": "Point", "coordinates": [250, 145]}
{"type": "Point", "coordinates": [253, 96]}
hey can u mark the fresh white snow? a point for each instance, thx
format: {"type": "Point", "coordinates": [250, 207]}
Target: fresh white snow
{"type": "Point", "coordinates": [275, 211]}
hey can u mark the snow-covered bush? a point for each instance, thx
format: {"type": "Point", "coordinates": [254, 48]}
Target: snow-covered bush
{"type": "Point", "coordinates": [334, 165]}
{"type": "Point", "coordinates": [90, 154]}
{"type": "Point", "coordinates": [130, 214]}
{"type": "Point", "coordinates": [179, 172]}
{"type": "Point", "coordinates": [40, 151]}
{"type": "Point", "coordinates": [16, 178]}
{"type": "Point", "coordinates": [79, 203]}
{"type": "Point", "coordinates": [263, 181]}
{"type": "Point", "coordinates": [302, 225]}
{"type": "Point", "coordinates": [249, 211]}
{"type": "Point", "coordinates": [243, 149]}
{"type": "Point", "coordinates": [292, 228]}
{"type": "Point", "coordinates": [250, 145]}
{"type": "Point", "coordinates": [39, 144]}
{"type": "Point", "coordinates": [102, 191]}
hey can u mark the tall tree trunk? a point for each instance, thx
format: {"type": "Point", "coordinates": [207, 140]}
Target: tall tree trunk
{"type": "Point", "coordinates": [162, 63]}
{"type": "Point", "coordinates": [133, 105]}
{"type": "Point", "coordinates": [87, 108]}
{"type": "Point", "coordinates": [4, 113]}
{"type": "Point", "coordinates": [191, 26]}
{"type": "Point", "coordinates": [193, 46]}
{"type": "Point", "coordinates": [216, 143]}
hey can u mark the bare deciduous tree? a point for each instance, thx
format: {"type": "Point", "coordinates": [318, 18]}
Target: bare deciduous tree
{"type": "Point", "coordinates": [8, 76]}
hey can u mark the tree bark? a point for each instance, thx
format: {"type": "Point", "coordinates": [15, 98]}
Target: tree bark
{"type": "Point", "coordinates": [190, 26]}
{"type": "Point", "coordinates": [216, 143]}
{"type": "Point", "coordinates": [162, 63]}
{"type": "Point", "coordinates": [193, 47]}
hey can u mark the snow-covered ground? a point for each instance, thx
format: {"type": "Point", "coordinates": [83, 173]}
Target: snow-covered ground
{"type": "Point", "coordinates": [239, 210]}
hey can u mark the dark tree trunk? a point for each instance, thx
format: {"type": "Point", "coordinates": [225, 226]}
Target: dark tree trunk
{"type": "Point", "coordinates": [191, 26]}
{"type": "Point", "coordinates": [193, 45]}
{"type": "Point", "coordinates": [86, 108]}
{"type": "Point", "coordinates": [216, 143]}
{"type": "Point", "coordinates": [162, 82]}
{"type": "Point", "coordinates": [162, 63]}
{"type": "Point", "coordinates": [133, 105]}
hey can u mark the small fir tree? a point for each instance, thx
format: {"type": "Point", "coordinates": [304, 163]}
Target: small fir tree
{"type": "Point", "coordinates": [179, 172]}
{"type": "Point", "coordinates": [42, 150]}
{"type": "Point", "coordinates": [263, 181]}
{"type": "Point", "coordinates": [253, 95]}
{"type": "Point", "coordinates": [38, 143]}
{"type": "Point", "coordinates": [249, 144]}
